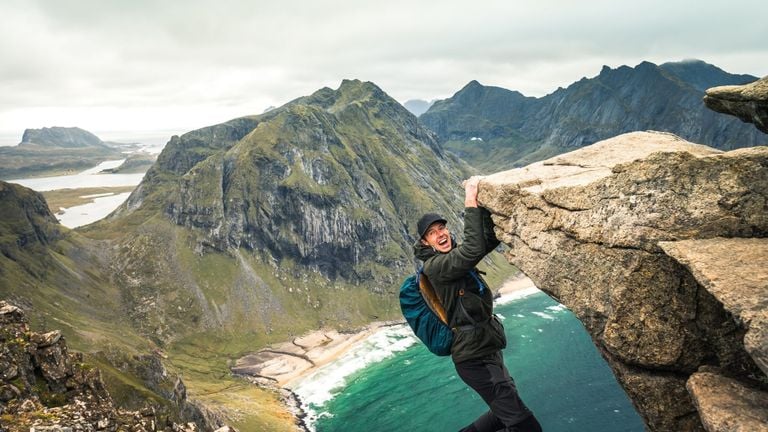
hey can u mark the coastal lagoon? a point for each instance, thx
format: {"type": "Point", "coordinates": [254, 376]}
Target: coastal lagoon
{"type": "Point", "coordinates": [100, 207]}
{"type": "Point", "coordinates": [391, 382]}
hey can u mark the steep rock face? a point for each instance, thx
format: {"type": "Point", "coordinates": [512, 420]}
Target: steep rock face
{"type": "Point", "coordinates": [330, 181]}
{"type": "Point", "coordinates": [61, 137]}
{"type": "Point", "coordinates": [494, 128]}
{"type": "Point", "coordinates": [748, 102]}
{"type": "Point", "coordinates": [586, 226]}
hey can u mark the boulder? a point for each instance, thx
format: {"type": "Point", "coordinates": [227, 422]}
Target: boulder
{"type": "Point", "coordinates": [588, 228]}
{"type": "Point", "coordinates": [727, 405]}
{"type": "Point", "coordinates": [748, 102]}
{"type": "Point", "coordinates": [733, 270]}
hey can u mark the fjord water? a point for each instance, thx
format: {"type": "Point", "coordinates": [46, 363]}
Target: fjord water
{"type": "Point", "coordinates": [558, 371]}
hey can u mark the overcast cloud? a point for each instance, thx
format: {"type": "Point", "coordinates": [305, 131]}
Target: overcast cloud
{"type": "Point", "coordinates": [146, 65]}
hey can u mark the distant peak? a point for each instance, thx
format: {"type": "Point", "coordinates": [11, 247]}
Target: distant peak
{"type": "Point", "coordinates": [56, 136]}
{"type": "Point", "coordinates": [473, 84]}
{"type": "Point", "coordinates": [646, 65]}
{"type": "Point", "coordinates": [357, 85]}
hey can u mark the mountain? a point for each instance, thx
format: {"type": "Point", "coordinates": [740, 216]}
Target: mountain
{"type": "Point", "coordinates": [702, 75]}
{"type": "Point", "coordinates": [330, 181]}
{"type": "Point", "coordinates": [417, 107]}
{"type": "Point", "coordinates": [494, 128]}
{"type": "Point", "coordinates": [54, 151]}
{"type": "Point", "coordinates": [60, 137]}
{"type": "Point", "coordinates": [306, 210]}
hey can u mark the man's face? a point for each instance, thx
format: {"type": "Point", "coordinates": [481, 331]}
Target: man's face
{"type": "Point", "coordinates": [438, 237]}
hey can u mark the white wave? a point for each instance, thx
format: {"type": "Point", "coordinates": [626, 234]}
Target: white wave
{"type": "Point", "coordinates": [543, 315]}
{"type": "Point", "coordinates": [557, 308]}
{"type": "Point", "coordinates": [321, 386]}
{"type": "Point", "coordinates": [517, 295]}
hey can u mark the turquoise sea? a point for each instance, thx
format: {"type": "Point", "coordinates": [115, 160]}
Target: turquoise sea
{"type": "Point", "coordinates": [392, 383]}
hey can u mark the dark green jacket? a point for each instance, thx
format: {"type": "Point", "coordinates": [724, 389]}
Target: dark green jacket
{"type": "Point", "coordinates": [449, 273]}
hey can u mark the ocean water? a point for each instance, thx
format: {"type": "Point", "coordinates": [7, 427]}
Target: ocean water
{"type": "Point", "coordinates": [393, 383]}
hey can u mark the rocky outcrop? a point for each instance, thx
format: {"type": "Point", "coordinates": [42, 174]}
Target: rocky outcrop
{"type": "Point", "coordinates": [603, 230]}
{"type": "Point", "coordinates": [726, 404]}
{"type": "Point", "coordinates": [748, 102]}
{"type": "Point", "coordinates": [45, 387]}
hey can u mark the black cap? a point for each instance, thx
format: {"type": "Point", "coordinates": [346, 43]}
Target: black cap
{"type": "Point", "coordinates": [427, 220]}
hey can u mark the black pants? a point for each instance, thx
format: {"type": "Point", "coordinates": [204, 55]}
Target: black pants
{"type": "Point", "coordinates": [490, 379]}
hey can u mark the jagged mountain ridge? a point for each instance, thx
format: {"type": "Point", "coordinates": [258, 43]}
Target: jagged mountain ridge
{"type": "Point", "coordinates": [513, 130]}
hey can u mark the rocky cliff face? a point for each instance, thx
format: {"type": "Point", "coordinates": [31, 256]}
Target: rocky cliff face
{"type": "Point", "coordinates": [494, 128]}
{"type": "Point", "coordinates": [657, 245]}
{"type": "Point", "coordinates": [330, 181]}
{"type": "Point", "coordinates": [25, 219]}
{"type": "Point", "coordinates": [747, 102]}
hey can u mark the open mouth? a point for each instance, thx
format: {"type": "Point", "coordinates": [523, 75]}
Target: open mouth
{"type": "Point", "coordinates": [443, 241]}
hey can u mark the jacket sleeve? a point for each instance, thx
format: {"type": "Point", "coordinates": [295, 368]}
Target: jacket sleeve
{"type": "Point", "coordinates": [461, 259]}
{"type": "Point", "coordinates": [490, 235]}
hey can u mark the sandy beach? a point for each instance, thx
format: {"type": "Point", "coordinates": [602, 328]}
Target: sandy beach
{"type": "Point", "coordinates": [285, 364]}
{"type": "Point", "coordinates": [288, 362]}
{"type": "Point", "coordinates": [519, 284]}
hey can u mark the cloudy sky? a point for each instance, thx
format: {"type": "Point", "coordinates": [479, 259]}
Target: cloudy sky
{"type": "Point", "coordinates": [141, 65]}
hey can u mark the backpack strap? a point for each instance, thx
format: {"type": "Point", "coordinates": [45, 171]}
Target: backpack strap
{"type": "Point", "coordinates": [430, 297]}
{"type": "Point", "coordinates": [476, 277]}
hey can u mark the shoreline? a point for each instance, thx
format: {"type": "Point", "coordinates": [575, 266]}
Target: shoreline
{"type": "Point", "coordinates": [516, 287]}
{"type": "Point", "coordinates": [285, 365]}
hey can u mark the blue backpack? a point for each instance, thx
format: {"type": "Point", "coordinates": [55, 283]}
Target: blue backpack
{"type": "Point", "coordinates": [425, 314]}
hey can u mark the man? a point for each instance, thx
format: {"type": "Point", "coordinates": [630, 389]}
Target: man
{"type": "Point", "coordinates": [478, 335]}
